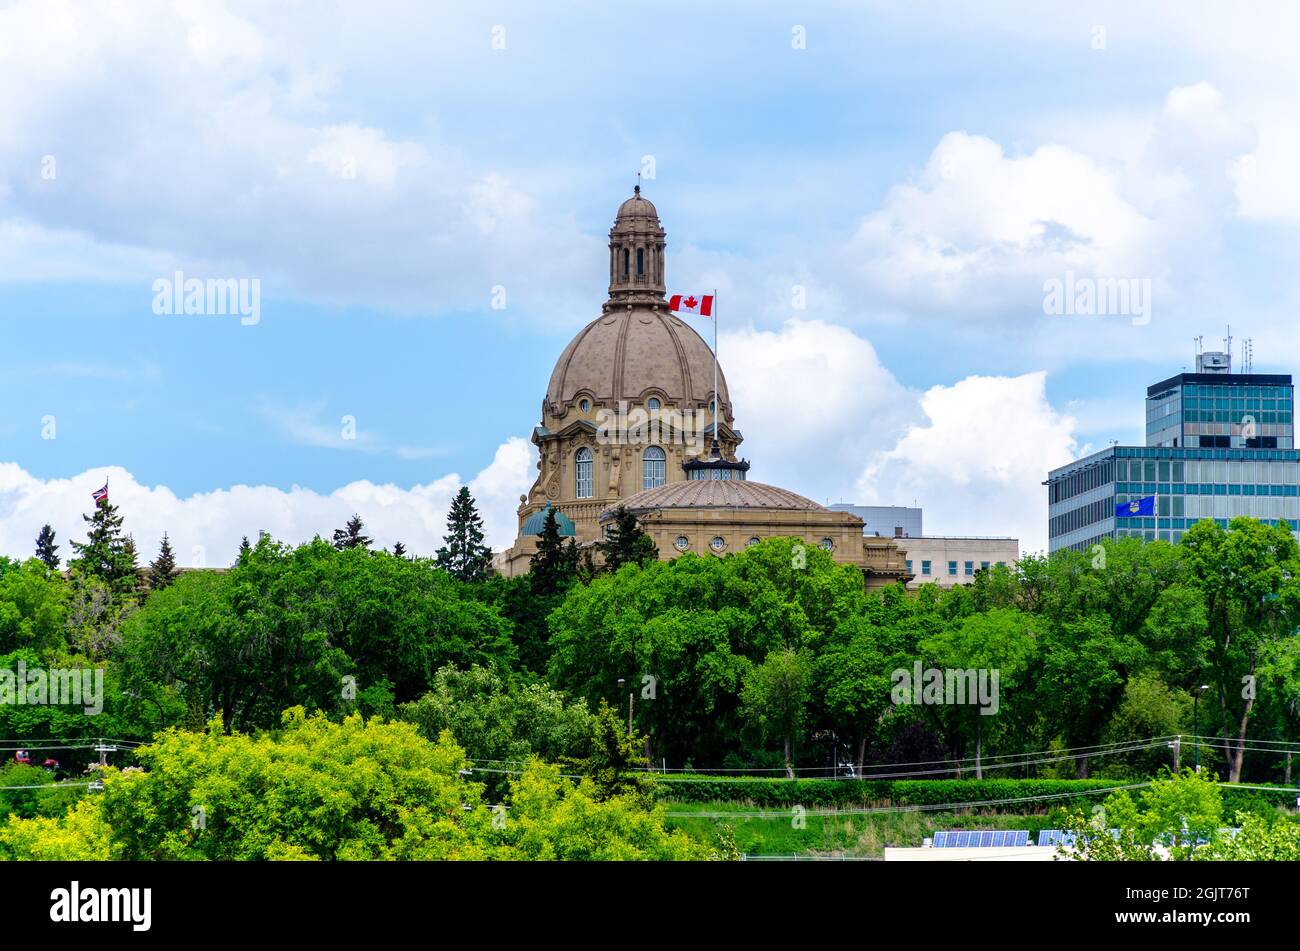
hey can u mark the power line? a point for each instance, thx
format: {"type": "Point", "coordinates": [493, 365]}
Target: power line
{"type": "Point", "coordinates": [879, 810]}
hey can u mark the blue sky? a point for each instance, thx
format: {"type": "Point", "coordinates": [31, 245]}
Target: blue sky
{"type": "Point", "coordinates": [918, 169]}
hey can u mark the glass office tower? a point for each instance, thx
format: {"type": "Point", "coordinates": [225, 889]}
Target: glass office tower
{"type": "Point", "coordinates": [1219, 445]}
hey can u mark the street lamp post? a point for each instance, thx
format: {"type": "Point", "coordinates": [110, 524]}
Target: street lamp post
{"type": "Point", "coordinates": [622, 681]}
{"type": "Point", "coordinates": [1196, 737]}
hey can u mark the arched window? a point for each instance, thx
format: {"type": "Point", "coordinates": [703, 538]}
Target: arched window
{"type": "Point", "coordinates": [654, 468]}
{"type": "Point", "coordinates": [627, 256]}
{"type": "Point", "coordinates": [640, 261]}
{"type": "Point", "coordinates": [582, 467]}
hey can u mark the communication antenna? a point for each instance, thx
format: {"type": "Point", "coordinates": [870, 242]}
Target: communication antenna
{"type": "Point", "coordinates": [1247, 355]}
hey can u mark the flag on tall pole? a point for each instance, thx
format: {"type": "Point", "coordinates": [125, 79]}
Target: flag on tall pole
{"type": "Point", "coordinates": [100, 495]}
{"type": "Point", "coordinates": [701, 304]}
{"type": "Point", "coordinates": [705, 305]}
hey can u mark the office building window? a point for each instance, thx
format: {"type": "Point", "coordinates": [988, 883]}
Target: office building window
{"type": "Point", "coordinates": [952, 568]}
{"type": "Point", "coordinates": [925, 567]}
{"type": "Point", "coordinates": [970, 568]}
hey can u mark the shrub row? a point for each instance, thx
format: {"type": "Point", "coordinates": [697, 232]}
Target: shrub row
{"type": "Point", "coordinates": [917, 792]}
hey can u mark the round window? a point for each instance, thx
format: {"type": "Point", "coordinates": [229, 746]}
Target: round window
{"type": "Point", "coordinates": [584, 405]}
{"type": "Point", "coordinates": [828, 543]}
{"type": "Point", "coordinates": [652, 403]}
{"type": "Point", "coordinates": [718, 543]}
{"type": "Point", "coordinates": [682, 543]}
{"type": "Point", "coordinates": [752, 542]}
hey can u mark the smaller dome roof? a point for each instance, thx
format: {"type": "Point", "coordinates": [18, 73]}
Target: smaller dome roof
{"type": "Point", "coordinates": [535, 524]}
{"type": "Point", "coordinates": [714, 493]}
{"type": "Point", "coordinates": [636, 207]}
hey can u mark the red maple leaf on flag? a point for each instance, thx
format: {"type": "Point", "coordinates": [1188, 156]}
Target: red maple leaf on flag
{"type": "Point", "coordinates": [690, 301]}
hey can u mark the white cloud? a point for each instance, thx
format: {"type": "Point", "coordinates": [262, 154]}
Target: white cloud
{"type": "Point", "coordinates": [979, 230]}
{"type": "Point", "coordinates": [206, 528]}
{"type": "Point", "coordinates": [811, 399]}
{"type": "Point", "coordinates": [185, 135]}
{"type": "Point", "coordinates": [823, 417]}
{"type": "Point", "coordinates": [977, 465]}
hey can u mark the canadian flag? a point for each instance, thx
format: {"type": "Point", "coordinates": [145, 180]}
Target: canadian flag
{"type": "Point", "coordinates": [701, 304]}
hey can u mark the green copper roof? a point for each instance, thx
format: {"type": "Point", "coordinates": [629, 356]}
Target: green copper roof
{"type": "Point", "coordinates": [534, 523]}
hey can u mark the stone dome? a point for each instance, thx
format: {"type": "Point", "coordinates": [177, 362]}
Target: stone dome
{"type": "Point", "coordinates": [630, 354]}
{"type": "Point", "coordinates": [636, 207]}
{"type": "Point", "coordinates": [714, 494]}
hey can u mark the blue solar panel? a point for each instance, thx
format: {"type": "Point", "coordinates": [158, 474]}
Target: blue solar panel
{"type": "Point", "coordinates": [1018, 837]}
{"type": "Point", "coordinates": [963, 840]}
{"type": "Point", "coordinates": [941, 840]}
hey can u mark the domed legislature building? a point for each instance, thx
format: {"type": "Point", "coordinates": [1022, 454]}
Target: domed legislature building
{"type": "Point", "coordinates": [628, 420]}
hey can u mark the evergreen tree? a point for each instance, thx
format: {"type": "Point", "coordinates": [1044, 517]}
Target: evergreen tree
{"type": "Point", "coordinates": [555, 564]}
{"type": "Point", "coordinates": [463, 553]}
{"type": "Point", "coordinates": [162, 570]}
{"type": "Point", "coordinates": [626, 543]}
{"type": "Point", "coordinates": [244, 549]}
{"type": "Point", "coordinates": [106, 554]}
{"type": "Point", "coordinates": [46, 550]}
{"type": "Point", "coordinates": [616, 761]}
{"type": "Point", "coordinates": [350, 536]}
{"type": "Point", "coordinates": [399, 550]}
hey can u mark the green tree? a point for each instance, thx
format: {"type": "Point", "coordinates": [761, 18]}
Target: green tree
{"type": "Point", "coordinates": [351, 535]}
{"type": "Point", "coordinates": [356, 790]}
{"type": "Point", "coordinates": [1249, 579]}
{"type": "Point", "coordinates": [46, 550]}
{"type": "Point", "coordinates": [851, 686]}
{"type": "Point", "coordinates": [1002, 642]}
{"type": "Point", "coordinates": [107, 554]}
{"type": "Point", "coordinates": [162, 570]}
{"type": "Point", "coordinates": [554, 566]}
{"type": "Point", "coordinates": [288, 625]}
{"type": "Point", "coordinates": [1149, 707]}
{"type": "Point", "coordinates": [775, 697]}
{"type": "Point", "coordinates": [33, 608]}
{"type": "Point", "coordinates": [626, 543]}
{"type": "Point", "coordinates": [616, 760]}
{"type": "Point", "coordinates": [463, 553]}
{"type": "Point", "coordinates": [495, 721]}
{"type": "Point", "coordinates": [1174, 817]}
{"type": "Point", "coordinates": [399, 549]}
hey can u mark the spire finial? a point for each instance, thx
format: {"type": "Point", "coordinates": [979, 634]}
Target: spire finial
{"type": "Point", "coordinates": [637, 190]}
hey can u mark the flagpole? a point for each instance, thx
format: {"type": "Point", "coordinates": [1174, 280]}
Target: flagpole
{"type": "Point", "coordinates": [717, 399]}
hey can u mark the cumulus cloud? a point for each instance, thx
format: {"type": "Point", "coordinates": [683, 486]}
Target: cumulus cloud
{"type": "Point", "coordinates": [978, 230]}
{"type": "Point", "coordinates": [976, 465]}
{"type": "Point", "coordinates": [812, 399]}
{"type": "Point", "coordinates": [141, 121]}
{"type": "Point", "coordinates": [206, 528]}
{"type": "Point", "coordinates": [824, 417]}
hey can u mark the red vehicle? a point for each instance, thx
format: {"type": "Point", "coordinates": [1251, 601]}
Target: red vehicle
{"type": "Point", "coordinates": [24, 758]}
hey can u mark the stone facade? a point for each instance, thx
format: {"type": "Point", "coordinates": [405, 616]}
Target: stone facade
{"type": "Point", "coordinates": [631, 402]}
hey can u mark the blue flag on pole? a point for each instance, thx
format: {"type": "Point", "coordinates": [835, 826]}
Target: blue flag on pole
{"type": "Point", "coordinates": [1136, 508]}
